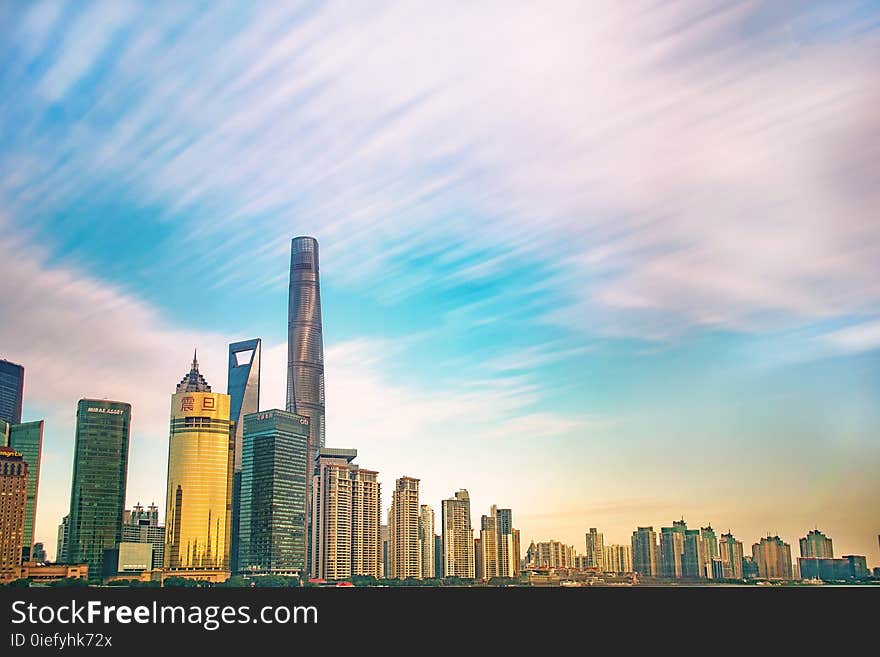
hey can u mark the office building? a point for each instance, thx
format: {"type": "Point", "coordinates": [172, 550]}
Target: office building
{"type": "Point", "coordinates": [773, 558]}
{"type": "Point", "coordinates": [426, 540]}
{"type": "Point", "coordinates": [384, 537]}
{"type": "Point", "coordinates": [730, 552]}
{"type": "Point", "coordinates": [458, 536]}
{"type": "Point", "coordinates": [63, 540]}
{"type": "Point", "coordinates": [644, 552]}
{"type": "Point", "coordinates": [695, 562]}
{"type": "Point", "coordinates": [243, 387]}
{"type": "Point", "coordinates": [140, 525]}
{"type": "Point", "coordinates": [617, 559]}
{"type": "Point", "coordinates": [595, 548]}
{"type": "Point", "coordinates": [403, 526]}
{"type": "Point", "coordinates": [488, 548]}
{"type": "Point", "coordinates": [478, 561]}
{"type": "Point", "coordinates": [672, 540]}
{"type": "Point", "coordinates": [11, 391]}
{"type": "Point", "coordinates": [199, 494]}
{"type": "Point", "coordinates": [816, 544]}
{"type": "Point", "coordinates": [273, 535]}
{"type": "Point", "coordinates": [749, 568]}
{"type": "Point", "coordinates": [27, 438]}
{"type": "Point", "coordinates": [100, 467]}
{"type": "Point", "coordinates": [305, 343]}
{"type": "Point", "coordinates": [128, 558]}
{"type": "Point", "coordinates": [13, 507]}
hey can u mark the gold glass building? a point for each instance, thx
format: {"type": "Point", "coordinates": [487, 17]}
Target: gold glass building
{"type": "Point", "coordinates": [200, 465]}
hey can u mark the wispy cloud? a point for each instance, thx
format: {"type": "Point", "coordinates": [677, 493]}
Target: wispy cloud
{"type": "Point", "coordinates": [694, 165]}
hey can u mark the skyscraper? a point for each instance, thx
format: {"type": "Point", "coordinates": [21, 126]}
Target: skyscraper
{"type": "Point", "coordinates": [100, 467]}
{"type": "Point", "coordinates": [731, 552]}
{"type": "Point", "coordinates": [509, 563]}
{"type": "Point", "coordinates": [672, 541]}
{"type": "Point", "coordinates": [553, 554]}
{"type": "Point", "coordinates": [11, 391]}
{"type": "Point", "coordinates": [694, 560]}
{"type": "Point", "coordinates": [644, 552]}
{"type": "Point", "coordinates": [13, 503]}
{"type": "Point", "coordinates": [200, 460]}
{"type": "Point", "coordinates": [816, 544]}
{"type": "Point", "coordinates": [426, 540]}
{"type": "Point", "coordinates": [595, 545]}
{"type": "Point", "coordinates": [243, 387]}
{"type": "Point", "coordinates": [488, 542]}
{"type": "Point", "coordinates": [438, 557]}
{"type": "Point", "coordinates": [773, 558]}
{"type": "Point", "coordinates": [27, 438]}
{"type": "Point", "coordinates": [275, 468]}
{"type": "Point", "coordinates": [458, 536]}
{"type": "Point", "coordinates": [403, 529]}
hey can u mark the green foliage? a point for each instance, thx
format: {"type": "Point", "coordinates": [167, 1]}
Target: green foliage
{"type": "Point", "coordinates": [236, 582]}
{"type": "Point", "coordinates": [271, 581]}
{"type": "Point", "coordinates": [69, 582]}
{"type": "Point", "coordinates": [186, 583]}
{"type": "Point", "coordinates": [18, 583]}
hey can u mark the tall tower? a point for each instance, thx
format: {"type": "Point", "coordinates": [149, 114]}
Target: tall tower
{"type": "Point", "coordinates": [426, 540]}
{"type": "Point", "coordinates": [13, 501]}
{"type": "Point", "coordinates": [200, 459]}
{"type": "Point", "coordinates": [11, 391]}
{"type": "Point", "coordinates": [97, 493]}
{"type": "Point", "coordinates": [403, 531]}
{"type": "Point", "coordinates": [644, 552]}
{"type": "Point", "coordinates": [814, 544]}
{"type": "Point", "coordinates": [272, 529]}
{"type": "Point", "coordinates": [27, 438]}
{"type": "Point", "coordinates": [243, 386]}
{"type": "Point", "coordinates": [595, 549]}
{"type": "Point", "coordinates": [305, 341]}
{"type": "Point", "coordinates": [458, 536]}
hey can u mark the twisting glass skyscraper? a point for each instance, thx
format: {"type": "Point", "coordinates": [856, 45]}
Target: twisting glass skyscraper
{"type": "Point", "coordinates": [305, 342]}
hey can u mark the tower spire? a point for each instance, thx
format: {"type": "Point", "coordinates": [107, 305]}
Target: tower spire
{"type": "Point", "coordinates": [195, 364]}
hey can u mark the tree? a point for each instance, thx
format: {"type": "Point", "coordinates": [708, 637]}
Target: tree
{"type": "Point", "coordinates": [69, 582]}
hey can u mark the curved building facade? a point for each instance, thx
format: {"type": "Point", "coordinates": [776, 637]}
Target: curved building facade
{"type": "Point", "coordinates": [305, 341]}
{"type": "Point", "coordinates": [201, 450]}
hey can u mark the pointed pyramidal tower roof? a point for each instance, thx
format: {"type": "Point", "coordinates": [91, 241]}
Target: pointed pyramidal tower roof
{"type": "Point", "coordinates": [193, 381]}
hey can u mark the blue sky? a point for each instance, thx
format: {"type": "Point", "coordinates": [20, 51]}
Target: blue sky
{"type": "Point", "coordinates": [605, 265]}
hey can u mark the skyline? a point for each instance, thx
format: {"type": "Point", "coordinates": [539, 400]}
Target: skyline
{"type": "Point", "coordinates": [651, 302]}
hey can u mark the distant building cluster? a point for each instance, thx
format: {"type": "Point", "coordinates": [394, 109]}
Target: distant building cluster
{"type": "Point", "coordinates": [256, 492]}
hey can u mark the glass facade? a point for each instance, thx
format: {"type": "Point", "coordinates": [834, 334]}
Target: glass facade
{"type": "Point", "coordinates": [273, 513]}
{"type": "Point", "coordinates": [97, 495]}
{"type": "Point", "coordinates": [27, 438]}
{"type": "Point", "coordinates": [11, 391]}
{"type": "Point", "coordinates": [243, 386]}
{"type": "Point", "coordinates": [305, 342]}
{"type": "Point", "coordinates": [199, 495]}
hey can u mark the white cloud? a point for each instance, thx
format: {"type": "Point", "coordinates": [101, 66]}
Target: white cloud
{"type": "Point", "coordinates": [690, 166]}
{"type": "Point", "coordinates": [854, 339]}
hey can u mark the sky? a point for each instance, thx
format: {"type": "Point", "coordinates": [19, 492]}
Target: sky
{"type": "Point", "coordinates": [606, 264]}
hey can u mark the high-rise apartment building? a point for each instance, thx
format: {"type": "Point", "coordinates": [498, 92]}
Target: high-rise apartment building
{"type": "Point", "coordinates": [509, 557]}
{"type": "Point", "coordinates": [27, 438]}
{"type": "Point", "coordinates": [243, 387]}
{"type": "Point", "coordinates": [709, 547]}
{"type": "Point", "coordinates": [617, 559]}
{"type": "Point", "coordinates": [644, 552]}
{"type": "Point", "coordinates": [553, 554]}
{"type": "Point", "coordinates": [439, 573]}
{"type": "Point", "coordinates": [198, 504]}
{"type": "Point", "coordinates": [695, 562]}
{"type": "Point", "coordinates": [11, 391]}
{"type": "Point", "coordinates": [13, 506]}
{"type": "Point", "coordinates": [458, 536]}
{"type": "Point", "coordinates": [489, 549]}
{"type": "Point", "coordinates": [275, 468]}
{"type": "Point", "coordinates": [426, 540]}
{"type": "Point", "coordinates": [403, 526]}
{"type": "Point", "coordinates": [141, 525]}
{"type": "Point", "coordinates": [100, 467]}
{"type": "Point", "coordinates": [772, 556]}
{"type": "Point", "coordinates": [730, 552]}
{"type": "Point", "coordinates": [594, 553]}
{"type": "Point", "coordinates": [366, 519]}
{"type": "Point", "coordinates": [672, 541]}
{"type": "Point", "coordinates": [479, 573]}
{"type": "Point", "coordinates": [816, 544]}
